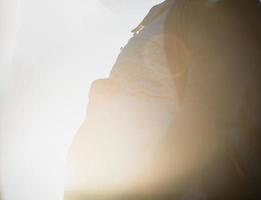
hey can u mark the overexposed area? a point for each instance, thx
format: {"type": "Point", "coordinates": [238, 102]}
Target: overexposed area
{"type": "Point", "coordinates": [50, 52]}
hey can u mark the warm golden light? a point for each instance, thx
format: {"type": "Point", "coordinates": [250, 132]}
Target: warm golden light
{"type": "Point", "coordinates": [120, 144]}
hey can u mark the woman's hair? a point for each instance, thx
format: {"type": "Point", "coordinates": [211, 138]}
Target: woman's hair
{"type": "Point", "coordinates": [227, 35]}
{"type": "Point", "coordinates": [216, 29]}
{"type": "Point", "coordinates": [230, 17]}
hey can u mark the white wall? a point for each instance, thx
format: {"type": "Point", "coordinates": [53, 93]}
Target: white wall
{"type": "Point", "coordinates": [50, 52]}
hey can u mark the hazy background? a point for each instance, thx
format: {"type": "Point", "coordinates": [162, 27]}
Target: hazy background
{"type": "Point", "coordinates": [50, 52]}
